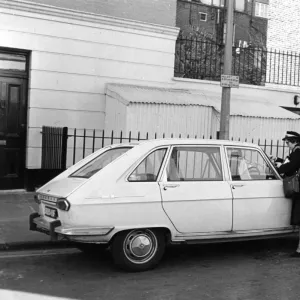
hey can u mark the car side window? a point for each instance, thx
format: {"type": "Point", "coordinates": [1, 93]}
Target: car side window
{"type": "Point", "coordinates": [148, 169]}
{"type": "Point", "coordinates": [249, 164]}
{"type": "Point", "coordinates": [195, 164]}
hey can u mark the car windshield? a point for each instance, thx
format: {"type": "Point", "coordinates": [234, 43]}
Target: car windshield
{"type": "Point", "coordinates": [99, 162]}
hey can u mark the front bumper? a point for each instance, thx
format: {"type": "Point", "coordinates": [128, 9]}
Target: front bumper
{"type": "Point", "coordinates": [77, 234]}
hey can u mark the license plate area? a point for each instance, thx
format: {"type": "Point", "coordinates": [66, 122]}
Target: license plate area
{"type": "Point", "coordinates": [51, 212]}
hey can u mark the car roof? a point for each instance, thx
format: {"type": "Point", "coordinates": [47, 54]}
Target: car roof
{"type": "Point", "coordinates": [176, 141]}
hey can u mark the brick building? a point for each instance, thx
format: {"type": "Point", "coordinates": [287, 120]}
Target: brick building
{"type": "Point", "coordinates": [205, 19]}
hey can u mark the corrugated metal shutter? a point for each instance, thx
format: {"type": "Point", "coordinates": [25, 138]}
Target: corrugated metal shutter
{"type": "Point", "coordinates": [170, 119]}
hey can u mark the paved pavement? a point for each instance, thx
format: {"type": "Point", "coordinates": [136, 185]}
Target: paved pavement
{"type": "Point", "coordinates": [15, 208]}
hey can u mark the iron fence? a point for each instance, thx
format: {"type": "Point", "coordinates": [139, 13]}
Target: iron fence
{"type": "Point", "coordinates": [54, 145]}
{"type": "Point", "coordinates": [200, 59]}
{"type": "Point", "coordinates": [63, 146]}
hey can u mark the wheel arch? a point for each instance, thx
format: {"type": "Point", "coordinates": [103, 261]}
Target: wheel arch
{"type": "Point", "coordinates": [166, 230]}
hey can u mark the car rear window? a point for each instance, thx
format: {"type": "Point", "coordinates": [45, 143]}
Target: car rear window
{"type": "Point", "coordinates": [99, 162]}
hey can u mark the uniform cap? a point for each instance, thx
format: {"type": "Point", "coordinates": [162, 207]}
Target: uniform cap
{"type": "Point", "coordinates": [291, 135]}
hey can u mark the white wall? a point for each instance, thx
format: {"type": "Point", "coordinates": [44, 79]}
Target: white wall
{"type": "Point", "coordinates": [245, 127]}
{"type": "Point", "coordinates": [73, 56]}
{"type": "Point", "coordinates": [275, 95]}
{"type": "Point", "coordinates": [116, 115]}
{"type": "Point", "coordinates": [283, 35]}
{"type": "Point", "coordinates": [284, 25]}
{"type": "Point", "coordinates": [168, 119]}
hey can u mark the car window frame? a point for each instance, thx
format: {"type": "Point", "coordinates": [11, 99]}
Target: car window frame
{"type": "Point", "coordinates": [221, 151]}
{"type": "Point", "coordinates": [93, 159]}
{"type": "Point", "coordinates": [264, 156]}
{"type": "Point", "coordinates": [141, 159]}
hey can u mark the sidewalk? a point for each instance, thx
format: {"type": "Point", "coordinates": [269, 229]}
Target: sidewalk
{"type": "Point", "coordinates": [15, 208]}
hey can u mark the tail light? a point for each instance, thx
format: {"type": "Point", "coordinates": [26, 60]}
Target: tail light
{"type": "Point", "coordinates": [63, 204]}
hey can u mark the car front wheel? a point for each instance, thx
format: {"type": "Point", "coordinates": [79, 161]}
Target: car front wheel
{"type": "Point", "coordinates": [138, 249]}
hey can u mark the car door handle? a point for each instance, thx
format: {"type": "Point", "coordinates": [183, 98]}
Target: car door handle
{"type": "Point", "coordinates": [170, 186]}
{"type": "Point", "coordinates": [237, 186]}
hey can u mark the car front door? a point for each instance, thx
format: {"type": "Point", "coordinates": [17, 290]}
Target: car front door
{"type": "Point", "coordinates": [195, 195]}
{"type": "Point", "coordinates": [258, 199]}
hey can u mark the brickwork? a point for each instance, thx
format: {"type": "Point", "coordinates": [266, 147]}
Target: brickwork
{"type": "Point", "coordinates": [251, 30]}
{"type": "Point", "coordinates": [188, 20]}
{"type": "Point", "coordinates": [161, 12]}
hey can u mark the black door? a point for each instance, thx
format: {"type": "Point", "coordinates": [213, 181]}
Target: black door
{"type": "Point", "coordinates": [12, 132]}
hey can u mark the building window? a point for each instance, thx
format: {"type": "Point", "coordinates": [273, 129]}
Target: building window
{"type": "Point", "coordinates": [212, 2]}
{"type": "Point", "coordinates": [218, 2]}
{"type": "Point", "coordinates": [261, 10]}
{"type": "Point", "coordinates": [240, 5]}
{"type": "Point", "coordinates": [206, 2]}
{"type": "Point", "coordinates": [203, 17]}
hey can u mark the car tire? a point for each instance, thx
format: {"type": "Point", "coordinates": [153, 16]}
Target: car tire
{"type": "Point", "coordinates": [91, 249]}
{"type": "Point", "coordinates": [139, 249]}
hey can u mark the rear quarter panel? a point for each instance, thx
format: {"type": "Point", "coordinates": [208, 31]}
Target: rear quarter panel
{"type": "Point", "coordinates": [107, 199]}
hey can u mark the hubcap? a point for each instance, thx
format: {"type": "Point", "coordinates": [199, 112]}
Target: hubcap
{"type": "Point", "coordinates": [140, 246]}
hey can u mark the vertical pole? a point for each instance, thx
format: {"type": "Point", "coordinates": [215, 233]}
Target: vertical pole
{"type": "Point", "coordinates": [74, 147]}
{"type": "Point", "coordinates": [94, 139]}
{"type": "Point", "coordinates": [84, 139]}
{"type": "Point", "coordinates": [226, 91]}
{"type": "Point", "coordinates": [64, 148]}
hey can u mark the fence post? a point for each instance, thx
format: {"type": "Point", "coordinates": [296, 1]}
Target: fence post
{"type": "Point", "coordinates": [74, 146]}
{"type": "Point", "coordinates": [84, 138]}
{"type": "Point", "coordinates": [64, 148]}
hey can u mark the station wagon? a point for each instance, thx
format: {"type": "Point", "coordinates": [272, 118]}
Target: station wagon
{"type": "Point", "coordinates": [136, 198]}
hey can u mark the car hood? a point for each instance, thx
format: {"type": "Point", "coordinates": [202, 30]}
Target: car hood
{"type": "Point", "coordinates": [62, 187]}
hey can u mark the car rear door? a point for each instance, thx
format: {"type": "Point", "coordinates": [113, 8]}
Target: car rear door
{"type": "Point", "coordinates": [195, 195]}
{"type": "Point", "coordinates": [258, 199]}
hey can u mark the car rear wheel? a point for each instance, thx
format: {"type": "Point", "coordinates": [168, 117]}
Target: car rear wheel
{"type": "Point", "coordinates": [139, 249]}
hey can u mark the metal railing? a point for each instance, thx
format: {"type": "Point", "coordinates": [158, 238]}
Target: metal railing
{"type": "Point", "coordinates": [54, 145]}
{"type": "Point", "coordinates": [61, 145]}
{"type": "Point", "coordinates": [200, 59]}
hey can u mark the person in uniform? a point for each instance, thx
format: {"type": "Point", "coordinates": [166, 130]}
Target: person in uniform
{"type": "Point", "coordinates": [289, 167]}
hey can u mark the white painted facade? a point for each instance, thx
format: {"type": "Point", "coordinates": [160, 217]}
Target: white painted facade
{"type": "Point", "coordinates": [73, 56]}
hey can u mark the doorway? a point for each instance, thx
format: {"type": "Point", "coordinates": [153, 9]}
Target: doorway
{"type": "Point", "coordinates": [13, 117]}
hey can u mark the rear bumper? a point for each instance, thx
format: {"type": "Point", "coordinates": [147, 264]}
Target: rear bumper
{"type": "Point", "coordinates": [76, 234]}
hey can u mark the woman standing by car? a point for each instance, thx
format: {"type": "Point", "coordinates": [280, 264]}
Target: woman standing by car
{"type": "Point", "coordinates": [288, 168]}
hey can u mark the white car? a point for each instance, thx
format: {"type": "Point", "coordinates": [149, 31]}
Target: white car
{"type": "Point", "coordinates": [136, 198]}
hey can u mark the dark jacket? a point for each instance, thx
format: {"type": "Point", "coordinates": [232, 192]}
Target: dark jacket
{"type": "Point", "coordinates": [293, 165]}
{"type": "Point", "coordinates": [289, 169]}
